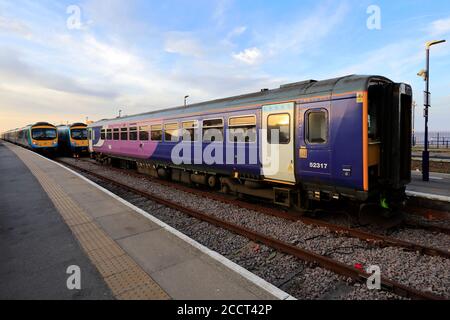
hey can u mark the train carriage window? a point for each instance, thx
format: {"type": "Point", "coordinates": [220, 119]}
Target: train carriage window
{"type": "Point", "coordinates": [116, 134]}
{"type": "Point", "coordinates": [156, 132]}
{"type": "Point", "coordinates": [317, 127]}
{"type": "Point", "coordinates": [109, 134]}
{"type": "Point", "coordinates": [124, 134]}
{"type": "Point", "coordinates": [281, 124]}
{"type": "Point", "coordinates": [190, 131]}
{"type": "Point", "coordinates": [143, 133]}
{"type": "Point", "coordinates": [171, 132]}
{"type": "Point", "coordinates": [213, 130]}
{"type": "Point", "coordinates": [103, 134]}
{"type": "Point", "coordinates": [242, 129]}
{"type": "Point", "coordinates": [133, 134]}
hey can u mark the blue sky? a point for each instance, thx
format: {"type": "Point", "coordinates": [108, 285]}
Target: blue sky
{"type": "Point", "coordinates": [146, 55]}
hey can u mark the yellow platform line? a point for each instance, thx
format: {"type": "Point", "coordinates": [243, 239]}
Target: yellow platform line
{"type": "Point", "coordinates": [126, 279]}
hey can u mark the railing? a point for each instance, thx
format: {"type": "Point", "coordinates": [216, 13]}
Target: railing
{"type": "Point", "coordinates": [436, 140]}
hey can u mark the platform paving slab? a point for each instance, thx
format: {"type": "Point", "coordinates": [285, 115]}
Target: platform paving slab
{"type": "Point", "coordinates": [166, 261]}
{"type": "Point", "coordinates": [36, 246]}
{"type": "Point", "coordinates": [439, 184]}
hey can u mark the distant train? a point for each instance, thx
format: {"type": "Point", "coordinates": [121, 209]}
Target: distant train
{"type": "Point", "coordinates": [41, 137]}
{"type": "Point", "coordinates": [72, 139]}
{"type": "Point", "coordinates": [347, 138]}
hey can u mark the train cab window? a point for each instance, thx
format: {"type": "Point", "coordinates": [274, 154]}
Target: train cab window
{"type": "Point", "coordinates": [103, 134]}
{"type": "Point", "coordinates": [190, 131]}
{"type": "Point", "coordinates": [242, 129]}
{"type": "Point", "coordinates": [124, 134]}
{"type": "Point", "coordinates": [213, 130]}
{"type": "Point", "coordinates": [143, 133]}
{"type": "Point", "coordinates": [133, 134]}
{"type": "Point", "coordinates": [156, 132]}
{"type": "Point", "coordinates": [116, 134]}
{"type": "Point", "coordinates": [43, 134]}
{"type": "Point", "coordinates": [109, 134]}
{"type": "Point", "coordinates": [317, 127]}
{"type": "Point", "coordinates": [280, 124]}
{"type": "Point", "coordinates": [171, 132]}
{"type": "Point", "coordinates": [78, 134]}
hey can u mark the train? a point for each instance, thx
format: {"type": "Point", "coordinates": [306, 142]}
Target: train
{"type": "Point", "coordinates": [72, 139]}
{"type": "Point", "coordinates": [41, 137]}
{"type": "Point", "coordinates": [343, 139]}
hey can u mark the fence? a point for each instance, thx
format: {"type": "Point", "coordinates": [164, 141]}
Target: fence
{"type": "Point", "coordinates": [437, 140]}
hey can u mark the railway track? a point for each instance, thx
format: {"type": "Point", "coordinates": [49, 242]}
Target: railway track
{"type": "Point", "coordinates": [325, 262]}
{"type": "Point", "coordinates": [372, 238]}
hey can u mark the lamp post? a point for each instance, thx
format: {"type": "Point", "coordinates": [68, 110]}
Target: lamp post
{"type": "Point", "coordinates": [426, 75]}
{"type": "Point", "coordinates": [185, 101]}
{"type": "Point", "coordinates": [414, 124]}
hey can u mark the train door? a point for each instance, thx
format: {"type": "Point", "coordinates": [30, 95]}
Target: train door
{"type": "Point", "coordinates": [278, 142]}
{"type": "Point", "coordinates": [91, 138]}
{"type": "Point", "coordinates": [314, 141]}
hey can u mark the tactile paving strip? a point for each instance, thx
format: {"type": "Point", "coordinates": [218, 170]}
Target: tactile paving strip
{"type": "Point", "coordinates": [124, 276]}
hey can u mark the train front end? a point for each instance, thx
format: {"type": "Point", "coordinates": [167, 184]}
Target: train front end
{"type": "Point", "coordinates": [387, 111]}
{"type": "Point", "coordinates": [43, 138]}
{"type": "Point", "coordinates": [79, 142]}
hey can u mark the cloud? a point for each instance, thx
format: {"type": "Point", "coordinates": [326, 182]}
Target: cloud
{"type": "Point", "coordinates": [219, 14]}
{"type": "Point", "coordinates": [397, 60]}
{"type": "Point", "coordinates": [440, 27]}
{"type": "Point", "coordinates": [249, 56]}
{"type": "Point", "coordinates": [13, 70]}
{"type": "Point", "coordinates": [237, 31]}
{"type": "Point", "coordinates": [182, 43]}
{"type": "Point", "coordinates": [14, 26]}
{"type": "Point", "coordinates": [305, 32]}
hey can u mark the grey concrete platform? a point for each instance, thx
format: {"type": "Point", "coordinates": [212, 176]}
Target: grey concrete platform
{"type": "Point", "coordinates": [182, 270]}
{"type": "Point", "coordinates": [36, 246]}
{"type": "Point", "coordinates": [438, 185]}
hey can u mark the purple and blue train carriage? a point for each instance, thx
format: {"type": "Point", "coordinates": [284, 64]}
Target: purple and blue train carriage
{"type": "Point", "coordinates": [347, 138]}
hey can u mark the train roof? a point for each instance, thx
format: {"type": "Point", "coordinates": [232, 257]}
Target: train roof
{"type": "Point", "coordinates": [77, 124]}
{"type": "Point", "coordinates": [306, 89]}
{"type": "Point", "coordinates": [31, 126]}
{"type": "Point", "coordinates": [39, 124]}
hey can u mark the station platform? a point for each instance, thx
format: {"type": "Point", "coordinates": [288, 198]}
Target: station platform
{"type": "Point", "coordinates": [438, 188]}
{"type": "Point", "coordinates": [52, 218]}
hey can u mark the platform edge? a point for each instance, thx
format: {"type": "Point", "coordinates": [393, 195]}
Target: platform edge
{"type": "Point", "coordinates": [253, 278]}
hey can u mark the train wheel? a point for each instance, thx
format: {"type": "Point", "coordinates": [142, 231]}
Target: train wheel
{"type": "Point", "coordinates": [212, 182]}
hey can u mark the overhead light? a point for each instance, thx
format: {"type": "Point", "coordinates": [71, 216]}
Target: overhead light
{"type": "Point", "coordinates": [423, 73]}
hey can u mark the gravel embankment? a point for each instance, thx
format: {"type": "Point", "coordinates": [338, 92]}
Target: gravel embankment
{"type": "Point", "coordinates": [412, 269]}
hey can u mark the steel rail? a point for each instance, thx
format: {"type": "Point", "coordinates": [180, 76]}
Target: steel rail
{"type": "Point", "coordinates": [305, 255]}
{"type": "Point", "coordinates": [372, 238]}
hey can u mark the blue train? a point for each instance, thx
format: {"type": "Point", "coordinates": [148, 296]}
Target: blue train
{"type": "Point", "coordinates": [41, 137]}
{"type": "Point", "coordinates": [347, 138]}
{"type": "Point", "coordinates": [72, 139]}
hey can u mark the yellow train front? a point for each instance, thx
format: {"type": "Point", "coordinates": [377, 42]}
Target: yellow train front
{"type": "Point", "coordinates": [41, 137]}
{"type": "Point", "coordinates": [73, 139]}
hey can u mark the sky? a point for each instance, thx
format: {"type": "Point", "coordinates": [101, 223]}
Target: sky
{"type": "Point", "coordinates": [65, 61]}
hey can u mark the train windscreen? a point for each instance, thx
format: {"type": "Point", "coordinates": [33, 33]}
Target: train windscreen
{"type": "Point", "coordinates": [79, 134]}
{"type": "Point", "coordinates": [43, 134]}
